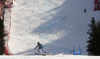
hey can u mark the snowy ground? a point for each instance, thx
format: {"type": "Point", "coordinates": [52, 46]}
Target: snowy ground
{"type": "Point", "coordinates": [57, 24]}
{"type": "Point", "coordinates": [50, 57]}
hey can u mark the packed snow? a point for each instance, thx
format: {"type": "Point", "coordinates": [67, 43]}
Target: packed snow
{"type": "Point", "coordinates": [57, 24]}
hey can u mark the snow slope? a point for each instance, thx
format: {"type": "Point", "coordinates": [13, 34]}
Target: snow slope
{"type": "Point", "coordinates": [57, 24]}
{"type": "Point", "coordinates": [50, 57]}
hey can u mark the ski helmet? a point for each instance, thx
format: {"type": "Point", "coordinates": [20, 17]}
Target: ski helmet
{"type": "Point", "coordinates": [38, 43]}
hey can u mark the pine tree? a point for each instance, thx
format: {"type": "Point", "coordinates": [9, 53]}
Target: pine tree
{"type": "Point", "coordinates": [2, 34]}
{"type": "Point", "coordinates": [1, 37]}
{"type": "Point", "coordinates": [93, 46]}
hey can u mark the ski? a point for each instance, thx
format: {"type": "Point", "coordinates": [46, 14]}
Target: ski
{"type": "Point", "coordinates": [40, 54]}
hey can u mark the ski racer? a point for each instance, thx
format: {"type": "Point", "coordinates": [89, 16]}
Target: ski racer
{"type": "Point", "coordinates": [40, 48]}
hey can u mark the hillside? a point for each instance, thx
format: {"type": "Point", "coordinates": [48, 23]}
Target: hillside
{"type": "Point", "coordinates": [58, 25]}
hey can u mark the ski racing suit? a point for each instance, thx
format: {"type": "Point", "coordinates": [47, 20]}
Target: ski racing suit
{"type": "Point", "coordinates": [40, 48]}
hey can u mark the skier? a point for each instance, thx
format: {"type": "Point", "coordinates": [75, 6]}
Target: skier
{"type": "Point", "coordinates": [40, 48]}
{"type": "Point", "coordinates": [84, 10]}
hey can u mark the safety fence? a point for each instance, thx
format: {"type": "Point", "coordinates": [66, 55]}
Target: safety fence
{"type": "Point", "coordinates": [6, 6]}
